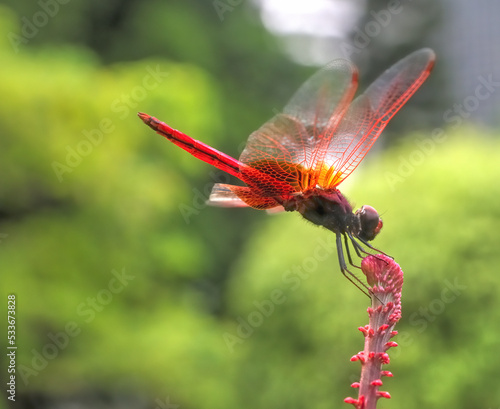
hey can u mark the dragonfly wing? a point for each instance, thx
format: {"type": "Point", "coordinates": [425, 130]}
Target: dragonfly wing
{"type": "Point", "coordinates": [275, 149]}
{"type": "Point", "coordinates": [239, 196]}
{"type": "Point", "coordinates": [370, 112]}
{"type": "Point", "coordinates": [289, 146]}
{"type": "Point", "coordinates": [322, 100]}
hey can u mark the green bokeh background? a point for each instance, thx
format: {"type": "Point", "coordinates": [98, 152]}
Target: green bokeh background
{"type": "Point", "coordinates": [210, 310]}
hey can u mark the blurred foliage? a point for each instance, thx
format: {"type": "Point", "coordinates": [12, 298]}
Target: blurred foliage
{"type": "Point", "coordinates": [112, 254]}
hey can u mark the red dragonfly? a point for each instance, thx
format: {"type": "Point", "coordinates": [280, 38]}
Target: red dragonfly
{"type": "Point", "coordinates": [296, 160]}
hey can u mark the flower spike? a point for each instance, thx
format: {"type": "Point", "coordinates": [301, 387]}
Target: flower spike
{"type": "Point", "coordinates": [385, 278]}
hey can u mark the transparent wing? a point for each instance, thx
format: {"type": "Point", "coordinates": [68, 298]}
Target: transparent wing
{"type": "Point", "coordinates": [223, 196]}
{"type": "Point", "coordinates": [239, 196]}
{"type": "Point", "coordinates": [370, 112]}
{"type": "Point", "coordinates": [290, 146]}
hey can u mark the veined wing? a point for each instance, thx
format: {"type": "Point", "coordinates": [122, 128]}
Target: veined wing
{"type": "Point", "coordinates": [240, 196]}
{"type": "Point", "coordinates": [290, 147]}
{"type": "Point", "coordinates": [370, 112]}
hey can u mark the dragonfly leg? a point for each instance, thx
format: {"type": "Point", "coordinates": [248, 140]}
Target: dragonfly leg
{"type": "Point", "coordinates": [358, 247]}
{"type": "Point", "coordinates": [371, 248]}
{"type": "Point", "coordinates": [348, 252]}
{"type": "Point", "coordinates": [366, 243]}
{"type": "Point", "coordinates": [345, 271]}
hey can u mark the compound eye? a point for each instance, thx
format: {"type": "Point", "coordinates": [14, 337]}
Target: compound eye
{"type": "Point", "coordinates": [370, 222]}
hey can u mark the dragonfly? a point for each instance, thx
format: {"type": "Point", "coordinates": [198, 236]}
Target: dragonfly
{"type": "Point", "coordinates": [297, 160]}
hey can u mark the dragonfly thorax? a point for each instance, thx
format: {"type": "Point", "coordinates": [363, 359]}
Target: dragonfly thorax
{"type": "Point", "coordinates": [327, 208]}
{"type": "Point", "coordinates": [330, 209]}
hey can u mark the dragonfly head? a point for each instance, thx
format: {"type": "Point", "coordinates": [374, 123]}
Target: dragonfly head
{"type": "Point", "coordinates": [369, 221]}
